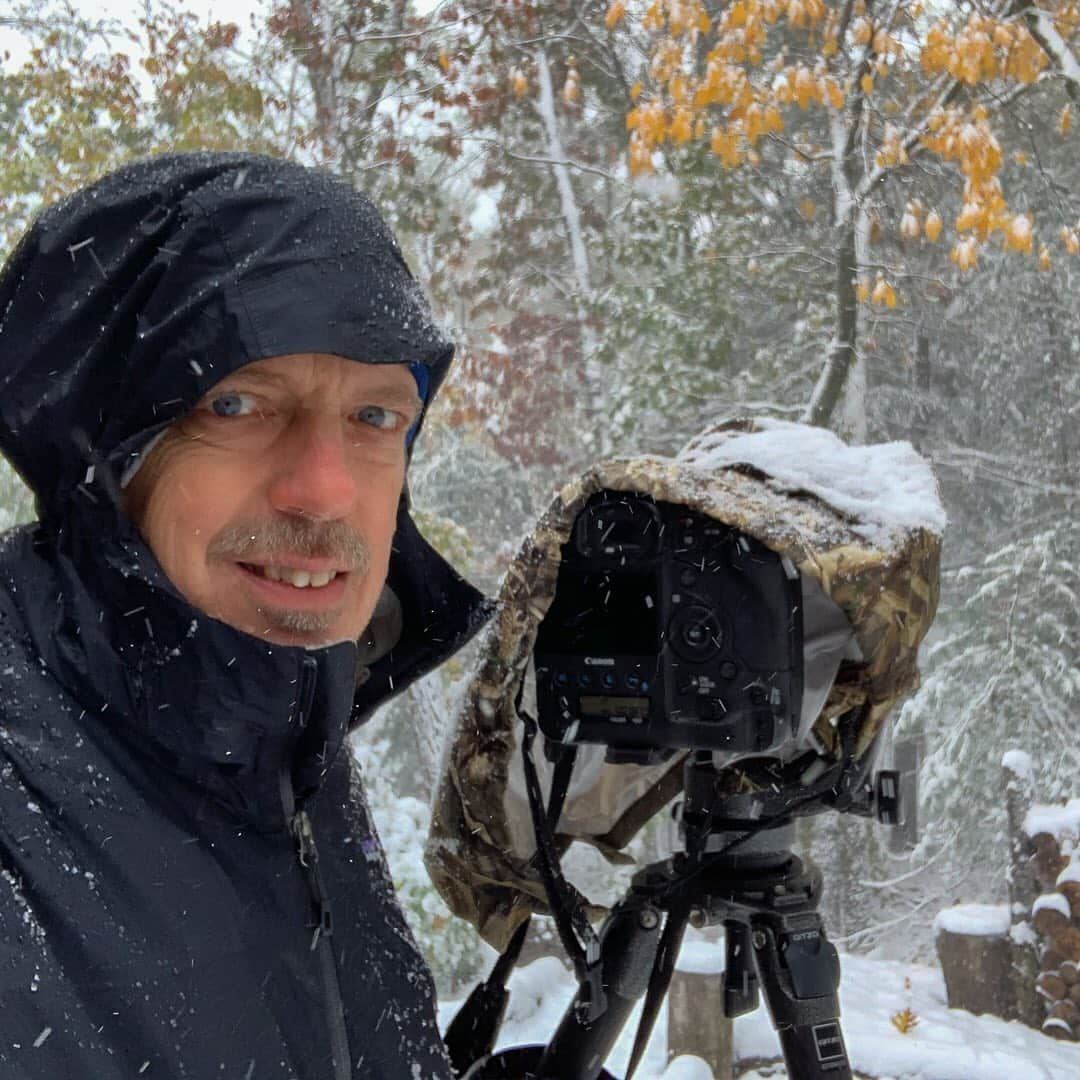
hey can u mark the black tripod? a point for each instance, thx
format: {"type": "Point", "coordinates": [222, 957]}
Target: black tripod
{"type": "Point", "coordinates": [767, 902]}
{"type": "Point", "coordinates": [736, 873]}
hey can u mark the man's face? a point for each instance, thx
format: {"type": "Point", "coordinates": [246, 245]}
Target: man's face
{"type": "Point", "coordinates": [271, 506]}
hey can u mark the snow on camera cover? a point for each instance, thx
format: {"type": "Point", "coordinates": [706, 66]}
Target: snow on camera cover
{"type": "Point", "coordinates": [862, 525]}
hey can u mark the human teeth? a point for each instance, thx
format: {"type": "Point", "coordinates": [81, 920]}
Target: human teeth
{"type": "Point", "coordinates": [300, 579]}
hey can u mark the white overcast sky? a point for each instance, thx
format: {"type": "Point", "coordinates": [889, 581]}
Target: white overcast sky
{"type": "Point", "coordinates": [237, 11]}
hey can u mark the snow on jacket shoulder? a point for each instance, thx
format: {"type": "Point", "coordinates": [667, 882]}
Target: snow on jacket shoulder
{"type": "Point", "coordinates": [192, 886]}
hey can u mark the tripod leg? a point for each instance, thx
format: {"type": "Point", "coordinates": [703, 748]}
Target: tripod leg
{"type": "Point", "coordinates": [800, 977]}
{"type": "Point", "coordinates": [628, 944]}
{"type": "Point", "coordinates": [740, 978]}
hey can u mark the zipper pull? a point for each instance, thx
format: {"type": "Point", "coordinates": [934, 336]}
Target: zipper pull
{"type": "Point", "coordinates": [308, 854]}
{"type": "Point", "coordinates": [305, 839]}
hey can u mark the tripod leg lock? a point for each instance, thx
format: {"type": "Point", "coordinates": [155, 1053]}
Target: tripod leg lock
{"type": "Point", "coordinates": [800, 975]}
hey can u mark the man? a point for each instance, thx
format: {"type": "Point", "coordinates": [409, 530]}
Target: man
{"type": "Point", "coordinates": [212, 368]}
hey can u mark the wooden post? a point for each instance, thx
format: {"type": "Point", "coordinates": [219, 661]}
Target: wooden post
{"type": "Point", "coordinates": [696, 1021]}
{"type": "Point", "coordinates": [973, 946]}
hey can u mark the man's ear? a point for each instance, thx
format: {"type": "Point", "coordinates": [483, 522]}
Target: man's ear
{"type": "Point", "coordinates": [383, 632]}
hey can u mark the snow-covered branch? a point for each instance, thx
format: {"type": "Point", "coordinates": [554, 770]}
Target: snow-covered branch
{"type": "Point", "coordinates": [1041, 25]}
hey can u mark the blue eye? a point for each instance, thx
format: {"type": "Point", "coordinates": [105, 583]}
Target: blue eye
{"type": "Point", "coordinates": [377, 416]}
{"type": "Point", "coordinates": [232, 403]}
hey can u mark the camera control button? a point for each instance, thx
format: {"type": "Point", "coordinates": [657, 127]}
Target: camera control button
{"type": "Point", "coordinates": [712, 709]}
{"type": "Point", "coordinates": [609, 679]}
{"type": "Point", "coordinates": [584, 679]}
{"type": "Point", "coordinates": [633, 681]}
{"type": "Point", "coordinates": [688, 577]}
{"type": "Point", "coordinates": [562, 679]}
{"type": "Point", "coordinates": [695, 633]}
{"type": "Point", "coordinates": [728, 670]}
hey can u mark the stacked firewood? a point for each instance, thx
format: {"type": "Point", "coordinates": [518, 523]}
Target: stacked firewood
{"type": "Point", "coordinates": [1027, 969]}
{"type": "Point", "coordinates": [1055, 916]}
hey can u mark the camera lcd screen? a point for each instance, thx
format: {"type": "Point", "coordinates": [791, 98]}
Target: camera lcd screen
{"type": "Point", "coordinates": [602, 615]}
{"type": "Point", "coordinates": [633, 708]}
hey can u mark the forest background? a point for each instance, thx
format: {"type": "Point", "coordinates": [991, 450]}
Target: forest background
{"type": "Point", "coordinates": [639, 218]}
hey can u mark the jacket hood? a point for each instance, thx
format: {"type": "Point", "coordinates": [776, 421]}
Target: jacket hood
{"type": "Point", "coordinates": [125, 303]}
{"type": "Point", "coordinates": [119, 309]}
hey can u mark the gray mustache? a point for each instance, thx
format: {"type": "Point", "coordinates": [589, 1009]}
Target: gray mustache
{"type": "Point", "coordinates": [293, 536]}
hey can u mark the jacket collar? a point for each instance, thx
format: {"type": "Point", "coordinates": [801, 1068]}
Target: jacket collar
{"type": "Point", "coordinates": [253, 726]}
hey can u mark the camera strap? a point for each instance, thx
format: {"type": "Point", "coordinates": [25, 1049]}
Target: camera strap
{"type": "Point", "coordinates": [567, 907]}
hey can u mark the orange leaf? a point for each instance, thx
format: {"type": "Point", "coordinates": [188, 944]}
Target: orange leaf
{"type": "Point", "coordinates": [614, 14]}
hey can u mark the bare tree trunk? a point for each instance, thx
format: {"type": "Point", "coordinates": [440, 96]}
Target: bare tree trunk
{"type": "Point", "coordinates": [842, 353]}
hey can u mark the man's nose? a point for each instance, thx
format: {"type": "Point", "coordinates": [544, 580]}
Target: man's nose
{"type": "Point", "coordinates": [314, 477]}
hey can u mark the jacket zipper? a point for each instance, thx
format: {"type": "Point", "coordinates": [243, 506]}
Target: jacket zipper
{"type": "Point", "coordinates": [323, 924]}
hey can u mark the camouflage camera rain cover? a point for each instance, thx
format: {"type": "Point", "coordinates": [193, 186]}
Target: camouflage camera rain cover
{"type": "Point", "coordinates": [862, 522]}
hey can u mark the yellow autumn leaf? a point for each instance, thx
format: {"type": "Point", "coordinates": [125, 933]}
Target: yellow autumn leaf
{"type": "Point", "coordinates": [965, 254]}
{"type": "Point", "coordinates": [680, 128]}
{"type": "Point", "coordinates": [909, 225]}
{"type": "Point", "coordinates": [1065, 120]}
{"type": "Point", "coordinates": [862, 292]}
{"type": "Point", "coordinates": [640, 156]}
{"type": "Point", "coordinates": [867, 84]}
{"type": "Point", "coordinates": [932, 226]}
{"type": "Point", "coordinates": [571, 90]}
{"type": "Point", "coordinates": [614, 14]}
{"type": "Point", "coordinates": [1018, 235]}
{"type": "Point", "coordinates": [806, 87]}
{"type": "Point", "coordinates": [904, 1021]}
{"type": "Point", "coordinates": [519, 83]}
{"type": "Point", "coordinates": [883, 293]}
{"type": "Point", "coordinates": [444, 62]}
{"type": "Point", "coordinates": [725, 145]}
{"type": "Point", "coordinates": [1044, 258]}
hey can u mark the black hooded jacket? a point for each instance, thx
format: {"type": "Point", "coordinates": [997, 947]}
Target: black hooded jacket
{"type": "Point", "coordinates": [192, 886]}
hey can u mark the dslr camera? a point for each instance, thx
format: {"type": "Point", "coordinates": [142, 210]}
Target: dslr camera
{"type": "Point", "coordinates": [669, 630]}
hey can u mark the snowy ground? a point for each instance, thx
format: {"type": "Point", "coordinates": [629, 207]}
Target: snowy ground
{"type": "Point", "coordinates": [944, 1045]}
